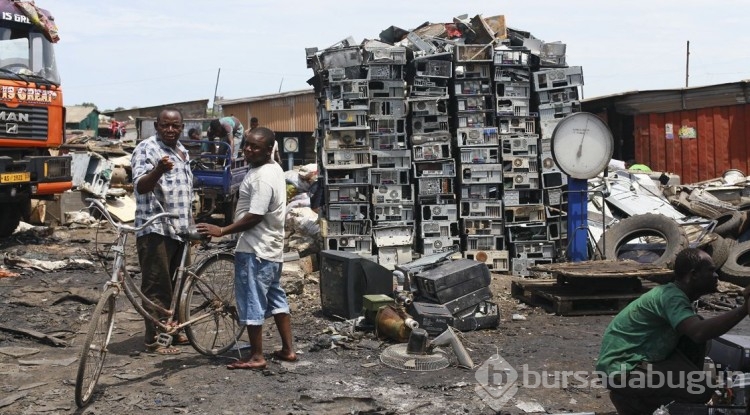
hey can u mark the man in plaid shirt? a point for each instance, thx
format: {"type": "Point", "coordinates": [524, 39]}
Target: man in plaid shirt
{"type": "Point", "coordinates": [163, 183]}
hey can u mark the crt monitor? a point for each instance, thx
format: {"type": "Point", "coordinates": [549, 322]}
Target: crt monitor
{"type": "Point", "coordinates": [345, 277]}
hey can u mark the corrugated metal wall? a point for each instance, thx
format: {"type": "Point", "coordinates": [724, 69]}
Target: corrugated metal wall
{"type": "Point", "coordinates": [290, 116]}
{"type": "Point", "coordinates": [721, 142]}
{"type": "Point", "coordinates": [284, 114]}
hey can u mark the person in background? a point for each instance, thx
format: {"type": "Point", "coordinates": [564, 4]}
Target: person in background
{"type": "Point", "coordinates": [195, 134]}
{"type": "Point", "coordinates": [276, 154]}
{"type": "Point", "coordinates": [259, 252]}
{"type": "Point", "coordinates": [163, 182]}
{"type": "Point", "coordinates": [659, 336]}
{"type": "Point", "coordinates": [116, 128]}
{"type": "Point", "coordinates": [228, 130]}
{"type": "Point", "coordinates": [633, 165]}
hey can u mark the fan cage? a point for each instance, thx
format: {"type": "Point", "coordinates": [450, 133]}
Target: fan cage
{"type": "Point", "coordinates": [396, 357]}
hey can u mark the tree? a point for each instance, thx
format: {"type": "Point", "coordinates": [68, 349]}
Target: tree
{"type": "Point", "coordinates": [88, 104]}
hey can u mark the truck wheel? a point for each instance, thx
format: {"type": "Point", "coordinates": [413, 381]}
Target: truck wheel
{"type": "Point", "coordinates": [719, 250]}
{"type": "Point", "coordinates": [9, 219]}
{"type": "Point", "coordinates": [728, 223]}
{"type": "Point", "coordinates": [657, 231]}
{"type": "Point", "coordinates": [737, 267]}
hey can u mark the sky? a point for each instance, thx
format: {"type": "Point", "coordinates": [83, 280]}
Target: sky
{"type": "Point", "coordinates": [139, 53]}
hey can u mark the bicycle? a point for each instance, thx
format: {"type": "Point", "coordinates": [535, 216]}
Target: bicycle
{"type": "Point", "coordinates": [206, 309]}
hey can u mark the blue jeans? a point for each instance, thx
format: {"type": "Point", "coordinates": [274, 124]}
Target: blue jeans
{"type": "Point", "coordinates": [257, 289]}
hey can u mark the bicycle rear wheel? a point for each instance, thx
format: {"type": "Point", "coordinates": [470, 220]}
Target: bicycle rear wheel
{"type": "Point", "coordinates": [94, 349]}
{"type": "Point", "coordinates": [209, 293]}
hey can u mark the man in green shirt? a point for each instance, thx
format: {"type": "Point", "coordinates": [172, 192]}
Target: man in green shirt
{"type": "Point", "coordinates": [653, 350]}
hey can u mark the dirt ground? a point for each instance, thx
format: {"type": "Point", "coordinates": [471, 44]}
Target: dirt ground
{"type": "Point", "coordinates": [38, 377]}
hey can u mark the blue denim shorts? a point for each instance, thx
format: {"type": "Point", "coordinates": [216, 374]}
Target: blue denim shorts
{"type": "Point", "coordinates": [257, 288]}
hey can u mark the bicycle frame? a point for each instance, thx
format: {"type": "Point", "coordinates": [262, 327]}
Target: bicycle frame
{"type": "Point", "coordinates": [120, 273]}
{"type": "Point", "coordinates": [207, 283]}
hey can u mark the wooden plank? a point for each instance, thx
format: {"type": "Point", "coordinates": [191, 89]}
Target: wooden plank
{"type": "Point", "coordinates": [669, 147]}
{"type": "Point", "coordinates": [690, 149]}
{"type": "Point", "coordinates": [603, 269]}
{"type": "Point", "coordinates": [657, 145]}
{"type": "Point", "coordinates": [678, 152]}
{"type": "Point", "coordinates": [642, 150]}
{"type": "Point", "coordinates": [708, 147]}
{"type": "Point", "coordinates": [564, 300]}
{"type": "Point", "coordinates": [721, 141]}
{"type": "Point", "coordinates": [706, 157]}
{"type": "Point", "coordinates": [738, 143]}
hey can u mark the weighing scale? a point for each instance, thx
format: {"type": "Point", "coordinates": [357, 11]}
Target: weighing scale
{"type": "Point", "coordinates": [582, 147]}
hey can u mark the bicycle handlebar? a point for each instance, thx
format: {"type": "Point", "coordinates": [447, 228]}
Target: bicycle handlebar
{"type": "Point", "coordinates": [123, 227]}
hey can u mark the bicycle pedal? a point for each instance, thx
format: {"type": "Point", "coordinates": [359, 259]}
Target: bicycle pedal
{"type": "Point", "coordinates": [164, 340]}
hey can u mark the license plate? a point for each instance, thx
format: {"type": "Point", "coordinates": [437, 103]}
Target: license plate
{"type": "Point", "coordinates": [15, 177]}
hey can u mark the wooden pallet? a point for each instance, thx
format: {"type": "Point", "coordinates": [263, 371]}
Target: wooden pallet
{"type": "Point", "coordinates": [567, 300]}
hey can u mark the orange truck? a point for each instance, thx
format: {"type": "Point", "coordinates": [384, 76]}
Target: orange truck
{"type": "Point", "coordinates": [32, 116]}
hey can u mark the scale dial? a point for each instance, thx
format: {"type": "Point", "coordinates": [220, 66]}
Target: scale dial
{"type": "Point", "coordinates": [291, 144]}
{"type": "Point", "coordinates": [582, 145]}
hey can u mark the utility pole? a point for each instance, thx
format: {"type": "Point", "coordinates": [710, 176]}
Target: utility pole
{"type": "Point", "coordinates": [687, 64]}
{"type": "Point", "coordinates": [216, 88]}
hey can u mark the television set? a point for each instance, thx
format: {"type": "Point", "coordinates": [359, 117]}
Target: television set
{"type": "Point", "coordinates": [345, 277]}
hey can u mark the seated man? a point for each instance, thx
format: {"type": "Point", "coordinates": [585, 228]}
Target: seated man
{"type": "Point", "coordinates": [653, 349]}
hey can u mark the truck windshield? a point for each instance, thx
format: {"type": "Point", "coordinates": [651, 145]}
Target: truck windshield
{"type": "Point", "coordinates": [28, 54]}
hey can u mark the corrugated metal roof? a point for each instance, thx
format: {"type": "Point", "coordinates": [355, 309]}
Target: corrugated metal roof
{"type": "Point", "coordinates": [203, 102]}
{"type": "Point", "coordinates": [78, 113]}
{"type": "Point", "coordinates": [669, 100]}
{"type": "Point", "coordinates": [264, 97]}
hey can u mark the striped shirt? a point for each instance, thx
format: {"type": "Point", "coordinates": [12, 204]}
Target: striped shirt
{"type": "Point", "coordinates": [172, 193]}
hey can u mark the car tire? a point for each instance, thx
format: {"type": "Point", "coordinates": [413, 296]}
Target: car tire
{"type": "Point", "coordinates": [736, 269]}
{"type": "Point", "coordinates": [719, 250]}
{"type": "Point", "coordinates": [645, 225]}
{"type": "Point", "coordinates": [728, 224]}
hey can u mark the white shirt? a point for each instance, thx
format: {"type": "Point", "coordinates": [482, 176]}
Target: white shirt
{"type": "Point", "coordinates": [263, 192]}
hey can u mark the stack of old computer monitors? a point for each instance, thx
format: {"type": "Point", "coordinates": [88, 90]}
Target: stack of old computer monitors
{"type": "Point", "coordinates": [524, 209]}
{"type": "Point", "coordinates": [363, 149]}
{"type": "Point", "coordinates": [530, 87]}
{"type": "Point", "coordinates": [343, 145]}
{"type": "Point", "coordinates": [556, 89]}
{"type": "Point", "coordinates": [479, 157]}
{"type": "Point", "coordinates": [434, 164]}
{"type": "Point", "coordinates": [392, 190]}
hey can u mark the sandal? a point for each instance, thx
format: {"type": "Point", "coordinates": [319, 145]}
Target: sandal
{"type": "Point", "coordinates": [156, 348]}
{"type": "Point", "coordinates": [180, 339]}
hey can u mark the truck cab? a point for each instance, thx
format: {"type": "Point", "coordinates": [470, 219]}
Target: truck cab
{"type": "Point", "coordinates": [32, 118]}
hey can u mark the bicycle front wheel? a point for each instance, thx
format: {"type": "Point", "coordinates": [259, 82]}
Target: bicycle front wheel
{"type": "Point", "coordinates": [94, 349]}
{"type": "Point", "coordinates": [208, 296]}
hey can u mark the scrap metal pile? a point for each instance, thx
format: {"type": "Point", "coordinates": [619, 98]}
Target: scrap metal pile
{"type": "Point", "coordinates": [439, 137]}
{"type": "Point", "coordinates": [651, 221]}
